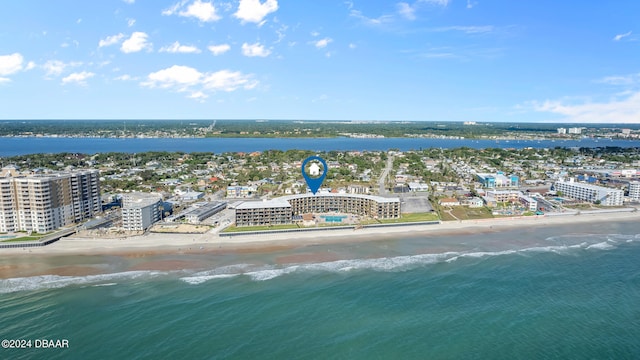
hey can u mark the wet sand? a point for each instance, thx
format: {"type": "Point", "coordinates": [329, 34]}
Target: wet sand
{"type": "Point", "coordinates": [150, 249]}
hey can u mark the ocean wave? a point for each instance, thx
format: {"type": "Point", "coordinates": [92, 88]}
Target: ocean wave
{"type": "Point", "coordinates": [605, 245]}
{"type": "Point", "coordinates": [402, 263]}
{"type": "Point", "coordinates": [257, 272]}
{"type": "Point", "coordinates": [40, 282]}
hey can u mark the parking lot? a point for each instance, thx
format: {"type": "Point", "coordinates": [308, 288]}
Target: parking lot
{"type": "Point", "coordinates": [415, 203]}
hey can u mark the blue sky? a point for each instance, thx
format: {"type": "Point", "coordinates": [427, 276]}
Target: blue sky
{"type": "Point", "coordinates": [433, 60]}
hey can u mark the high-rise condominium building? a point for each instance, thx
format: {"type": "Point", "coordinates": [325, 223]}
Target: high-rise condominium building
{"type": "Point", "coordinates": [45, 202]}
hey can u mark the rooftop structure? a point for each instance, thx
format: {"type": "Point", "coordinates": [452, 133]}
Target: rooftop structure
{"type": "Point", "coordinates": [200, 211]}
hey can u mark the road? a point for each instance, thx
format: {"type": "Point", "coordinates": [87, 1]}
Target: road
{"type": "Point", "coordinates": [381, 181]}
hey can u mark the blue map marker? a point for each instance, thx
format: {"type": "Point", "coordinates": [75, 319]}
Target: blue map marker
{"type": "Point", "coordinates": [316, 176]}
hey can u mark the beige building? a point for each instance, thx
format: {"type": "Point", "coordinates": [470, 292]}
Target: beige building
{"type": "Point", "coordinates": [256, 213]}
{"type": "Point", "coordinates": [281, 210]}
{"type": "Point", "coordinates": [45, 202]}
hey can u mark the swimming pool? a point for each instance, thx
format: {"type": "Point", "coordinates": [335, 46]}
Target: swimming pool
{"type": "Point", "coordinates": [333, 218]}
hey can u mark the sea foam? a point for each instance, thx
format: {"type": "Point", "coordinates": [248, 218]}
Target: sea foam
{"type": "Point", "coordinates": [55, 281]}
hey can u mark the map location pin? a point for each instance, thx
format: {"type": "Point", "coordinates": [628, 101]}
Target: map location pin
{"type": "Point", "coordinates": [315, 174]}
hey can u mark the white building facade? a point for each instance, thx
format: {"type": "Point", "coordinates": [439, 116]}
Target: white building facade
{"type": "Point", "coordinates": [634, 191]}
{"type": "Point", "coordinates": [140, 211]}
{"type": "Point", "coordinates": [592, 193]}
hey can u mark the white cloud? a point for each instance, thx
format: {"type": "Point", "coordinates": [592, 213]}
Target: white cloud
{"type": "Point", "coordinates": [406, 11]}
{"type": "Point", "coordinates": [467, 29]}
{"type": "Point", "coordinates": [630, 79]}
{"type": "Point", "coordinates": [370, 21]}
{"type": "Point", "coordinates": [177, 76]}
{"type": "Point", "coordinates": [203, 11]}
{"type": "Point", "coordinates": [435, 2]}
{"type": "Point", "coordinates": [10, 64]}
{"type": "Point", "coordinates": [4, 80]}
{"type": "Point", "coordinates": [226, 80]}
{"type": "Point", "coordinates": [219, 49]}
{"type": "Point", "coordinates": [125, 77]}
{"type": "Point", "coordinates": [78, 78]}
{"type": "Point", "coordinates": [129, 1]}
{"type": "Point", "coordinates": [616, 110]}
{"type": "Point", "coordinates": [177, 48]}
{"type": "Point", "coordinates": [57, 67]}
{"type": "Point", "coordinates": [352, 46]}
{"type": "Point", "coordinates": [322, 43]}
{"type": "Point", "coordinates": [253, 50]}
{"type": "Point", "coordinates": [198, 95]}
{"type": "Point", "coordinates": [255, 11]}
{"type": "Point", "coordinates": [111, 40]}
{"type": "Point", "coordinates": [131, 22]}
{"type": "Point", "coordinates": [471, 4]}
{"type": "Point", "coordinates": [137, 42]}
{"type": "Point", "coordinates": [621, 36]}
{"type": "Point", "coordinates": [187, 79]}
{"type": "Point", "coordinates": [30, 65]}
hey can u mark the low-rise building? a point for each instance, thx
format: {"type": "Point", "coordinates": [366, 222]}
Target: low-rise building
{"type": "Point", "coordinates": [282, 210]}
{"type": "Point", "coordinates": [418, 186]}
{"type": "Point", "coordinates": [449, 202]}
{"type": "Point", "coordinates": [237, 191]}
{"type": "Point", "coordinates": [473, 202]}
{"type": "Point", "coordinates": [497, 180]}
{"type": "Point", "coordinates": [257, 213]}
{"type": "Point", "coordinates": [198, 212]}
{"type": "Point", "coordinates": [528, 202]}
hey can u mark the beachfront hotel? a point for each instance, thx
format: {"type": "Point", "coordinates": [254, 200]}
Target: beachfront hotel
{"type": "Point", "coordinates": [140, 211]}
{"type": "Point", "coordinates": [46, 202]}
{"type": "Point", "coordinates": [282, 210]}
{"type": "Point", "coordinates": [592, 193]}
{"type": "Point", "coordinates": [634, 191]}
{"type": "Point", "coordinates": [257, 213]}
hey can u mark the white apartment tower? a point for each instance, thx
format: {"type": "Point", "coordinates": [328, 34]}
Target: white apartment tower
{"type": "Point", "coordinates": [634, 191]}
{"type": "Point", "coordinates": [140, 211]}
{"type": "Point", "coordinates": [45, 202]}
{"type": "Point", "coordinates": [591, 193]}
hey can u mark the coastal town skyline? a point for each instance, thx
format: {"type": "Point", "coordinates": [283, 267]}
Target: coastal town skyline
{"type": "Point", "coordinates": [433, 60]}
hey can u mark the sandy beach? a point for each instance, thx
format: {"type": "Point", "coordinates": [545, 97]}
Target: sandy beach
{"type": "Point", "coordinates": [154, 243]}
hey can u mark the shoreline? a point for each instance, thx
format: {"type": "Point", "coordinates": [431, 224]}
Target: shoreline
{"type": "Point", "coordinates": [158, 244]}
{"type": "Point", "coordinates": [81, 256]}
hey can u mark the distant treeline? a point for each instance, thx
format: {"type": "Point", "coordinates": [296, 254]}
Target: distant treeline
{"type": "Point", "coordinates": [279, 128]}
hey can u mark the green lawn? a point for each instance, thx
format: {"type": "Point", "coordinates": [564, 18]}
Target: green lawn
{"type": "Point", "coordinates": [412, 217]}
{"type": "Point", "coordinates": [466, 213]}
{"type": "Point", "coordinates": [234, 228]}
{"type": "Point", "coordinates": [25, 238]}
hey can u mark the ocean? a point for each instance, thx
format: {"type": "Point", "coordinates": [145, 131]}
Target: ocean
{"type": "Point", "coordinates": [12, 146]}
{"type": "Point", "coordinates": [537, 293]}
